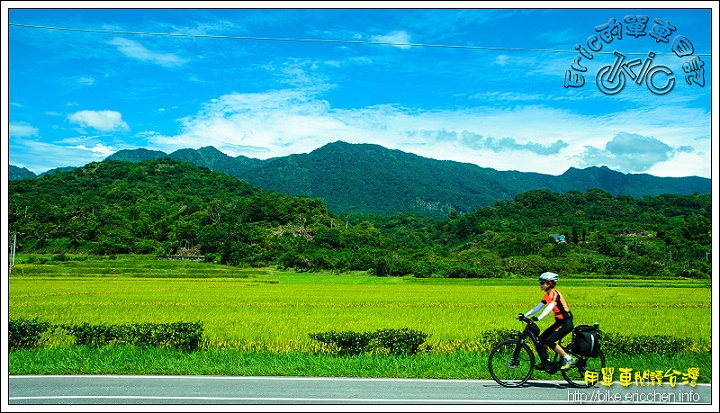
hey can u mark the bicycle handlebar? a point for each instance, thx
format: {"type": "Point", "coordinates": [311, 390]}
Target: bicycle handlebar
{"type": "Point", "coordinates": [528, 320]}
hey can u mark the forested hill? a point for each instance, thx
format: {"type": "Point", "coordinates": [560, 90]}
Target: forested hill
{"type": "Point", "coordinates": [15, 173]}
{"type": "Point", "coordinates": [375, 180]}
{"type": "Point", "coordinates": [146, 207]}
{"type": "Point", "coordinates": [371, 179]}
{"type": "Point", "coordinates": [168, 207]}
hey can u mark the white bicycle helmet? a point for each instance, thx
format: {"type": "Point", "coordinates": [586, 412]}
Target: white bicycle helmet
{"type": "Point", "coordinates": [549, 276]}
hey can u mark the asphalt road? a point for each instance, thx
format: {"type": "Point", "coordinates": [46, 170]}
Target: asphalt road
{"type": "Point", "coordinates": [124, 390]}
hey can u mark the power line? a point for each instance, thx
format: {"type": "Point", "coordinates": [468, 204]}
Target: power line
{"type": "Point", "coordinates": [281, 39]}
{"type": "Point", "coordinates": [293, 39]}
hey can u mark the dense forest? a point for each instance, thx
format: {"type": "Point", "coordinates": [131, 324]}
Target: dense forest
{"type": "Point", "coordinates": [371, 179]}
{"type": "Point", "coordinates": [172, 208]}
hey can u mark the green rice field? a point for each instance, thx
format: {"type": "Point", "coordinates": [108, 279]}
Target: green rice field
{"type": "Point", "coordinates": [270, 310]}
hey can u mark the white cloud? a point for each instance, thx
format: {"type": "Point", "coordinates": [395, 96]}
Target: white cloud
{"type": "Point", "coordinates": [22, 129]}
{"type": "Point", "coordinates": [525, 138]}
{"type": "Point", "coordinates": [137, 51]}
{"type": "Point", "coordinates": [395, 37]}
{"type": "Point", "coordinates": [98, 149]}
{"type": "Point", "coordinates": [682, 164]}
{"type": "Point", "coordinates": [41, 157]}
{"type": "Point", "coordinates": [102, 120]}
{"type": "Point", "coordinates": [502, 59]}
{"type": "Point", "coordinates": [87, 81]}
{"type": "Point", "coordinates": [635, 153]}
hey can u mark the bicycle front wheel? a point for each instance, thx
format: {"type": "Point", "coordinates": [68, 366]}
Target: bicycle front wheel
{"type": "Point", "coordinates": [587, 372]}
{"type": "Point", "coordinates": [511, 363]}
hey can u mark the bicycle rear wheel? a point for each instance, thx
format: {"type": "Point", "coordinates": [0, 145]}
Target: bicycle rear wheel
{"type": "Point", "coordinates": [577, 376]}
{"type": "Point", "coordinates": [511, 363]}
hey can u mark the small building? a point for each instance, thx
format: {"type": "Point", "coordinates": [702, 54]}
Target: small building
{"type": "Point", "coordinates": [557, 237]}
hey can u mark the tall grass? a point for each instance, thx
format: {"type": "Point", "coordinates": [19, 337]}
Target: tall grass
{"type": "Point", "coordinates": [455, 365]}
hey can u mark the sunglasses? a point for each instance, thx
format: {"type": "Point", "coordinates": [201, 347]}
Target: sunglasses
{"type": "Point", "coordinates": [543, 282]}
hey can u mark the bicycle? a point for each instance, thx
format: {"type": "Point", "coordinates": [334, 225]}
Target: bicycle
{"type": "Point", "coordinates": [512, 362]}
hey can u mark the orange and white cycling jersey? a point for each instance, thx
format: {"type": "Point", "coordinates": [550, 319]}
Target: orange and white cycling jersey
{"type": "Point", "coordinates": [561, 311]}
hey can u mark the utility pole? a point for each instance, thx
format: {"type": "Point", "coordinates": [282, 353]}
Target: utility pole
{"type": "Point", "coordinates": [12, 265]}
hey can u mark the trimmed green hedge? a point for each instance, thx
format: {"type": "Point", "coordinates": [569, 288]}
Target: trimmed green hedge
{"type": "Point", "coordinates": [178, 335]}
{"type": "Point", "coordinates": [399, 342]}
{"type": "Point", "coordinates": [25, 333]}
{"type": "Point", "coordinates": [612, 343]}
{"type": "Point", "coordinates": [187, 336]}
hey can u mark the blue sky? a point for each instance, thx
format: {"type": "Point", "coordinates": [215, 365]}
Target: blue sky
{"type": "Point", "coordinates": [500, 88]}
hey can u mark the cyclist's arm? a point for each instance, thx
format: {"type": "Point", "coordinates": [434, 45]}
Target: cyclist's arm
{"type": "Point", "coordinates": [535, 309]}
{"type": "Point", "coordinates": [547, 311]}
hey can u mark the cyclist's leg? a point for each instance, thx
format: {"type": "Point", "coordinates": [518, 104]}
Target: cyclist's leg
{"type": "Point", "coordinates": [563, 328]}
{"type": "Point", "coordinates": [541, 346]}
{"type": "Point", "coordinates": [556, 332]}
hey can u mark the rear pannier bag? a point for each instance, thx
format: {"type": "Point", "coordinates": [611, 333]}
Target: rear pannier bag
{"type": "Point", "coordinates": [586, 341]}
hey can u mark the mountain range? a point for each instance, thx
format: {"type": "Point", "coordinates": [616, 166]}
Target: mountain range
{"type": "Point", "coordinates": [371, 179]}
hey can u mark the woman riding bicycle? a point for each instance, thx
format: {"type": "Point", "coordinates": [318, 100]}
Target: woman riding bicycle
{"type": "Point", "coordinates": [555, 302]}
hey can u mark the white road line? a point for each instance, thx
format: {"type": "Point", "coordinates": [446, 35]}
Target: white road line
{"type": "Point", "coordinates": [94, 376]}
{"type": "Point", "coordinates": [284, 399]}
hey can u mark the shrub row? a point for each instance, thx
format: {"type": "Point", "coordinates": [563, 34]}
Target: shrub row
{"type": "Point", "coordinates": [25, 333]}
{"type": "Point", "coordinates": [613, 343]}
{"type": "Point", "coordinates": [179, 335]}
{"type": "Point", "coordinates": [187, 336]}
{"type": "Point", "coordinates": [399, 342]}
